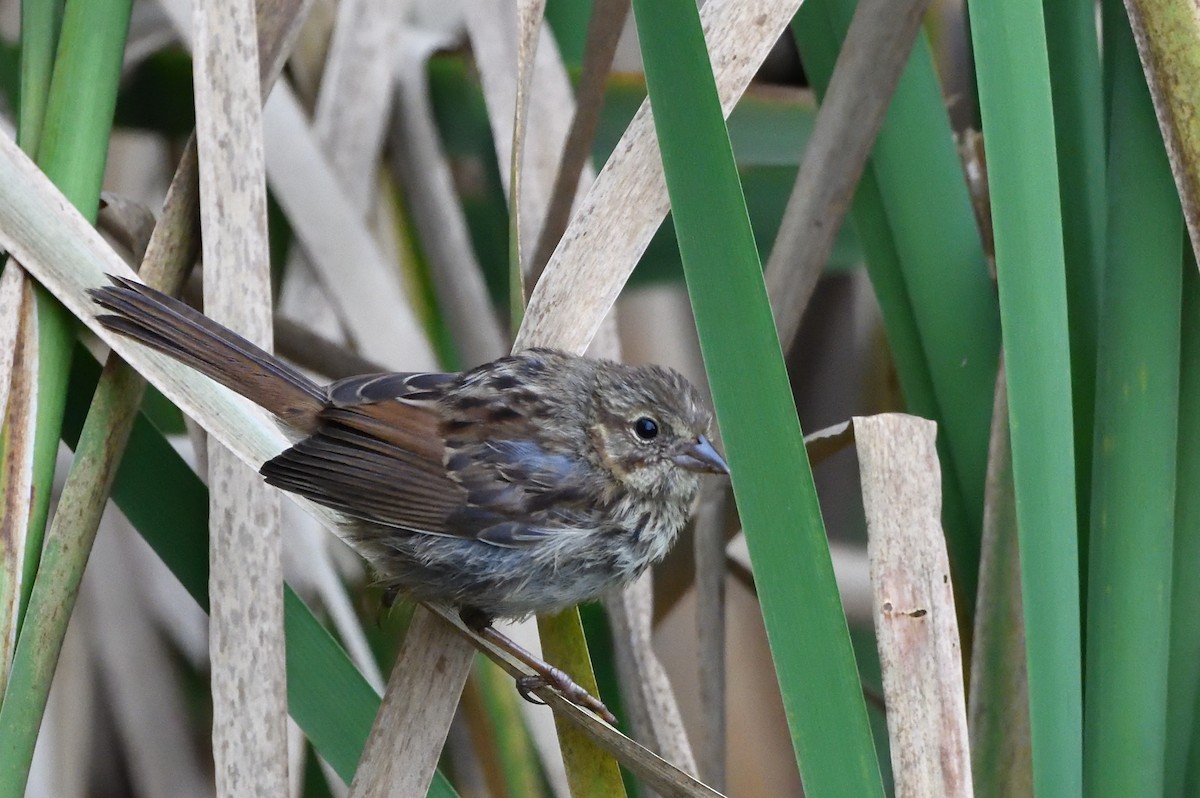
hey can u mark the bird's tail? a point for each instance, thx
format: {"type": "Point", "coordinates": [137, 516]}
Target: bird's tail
{"type": "Point", "coordinates": [171, 327]}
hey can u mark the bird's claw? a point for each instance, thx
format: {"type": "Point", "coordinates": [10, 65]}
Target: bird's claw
{"type": "Point", "coordinates": [567, 688]}
{"type": "Point", "coordinates": [546, 675]}
{"type": "Point", "coordinates": [527, 684]}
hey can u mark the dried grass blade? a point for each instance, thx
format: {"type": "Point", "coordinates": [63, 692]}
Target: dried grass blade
{"type": "Point", "coordinates": [915, 621]}
{"type": "Point", "coordinates": [1167, 33]}
{"type": "Point", "coordinates": [366, 288]}
{"type": "Point", "coordinates": [710, 526]}
{"type": "Point", "coordinates": [424, 172]}
{"type": "Point", "coordinates": [356, 88]}
{"type": "Point", "coordinates": [646, 690]}
{"type": "Point", "coordinates": [624, 207]}
{"type": "Point", "coordinates": [247, 649]}
{"type": "Point", "coordinates": [603, 34]}
{"type": "Point", "coordinates": [499, 43]}
{"type": "Point", "coordinates": [868, 68]}
{"type": "Point", "coordinates": [12, 296]}
{"type": "Point", "coordinates": [62, 251]}
{"type": "Point", "coordinates": [172, 247]}
{"type": "Point", "coordinates": [529, 26]}
{"type": "Point", "coordinates": [360, 280]}
{"type": "Point", "coordinates": [352, 109]}
{"type": "Point", "coordinates": [658, 774]}
{"type": "Point", "coordinates": [408, 734]}
{"type": "Point", "coordinates": [998, 716]}
{"type": "Point", "coordinates": [18, 309]}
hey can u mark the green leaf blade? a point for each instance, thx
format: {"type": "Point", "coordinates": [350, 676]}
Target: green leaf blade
{"type": "Point", "coordinates": [1015, 102]}
{"type": "Point", "coordinates": [772, 480]}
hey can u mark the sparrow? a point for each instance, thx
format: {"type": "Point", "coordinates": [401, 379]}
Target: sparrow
{"type": "Point", "coordinates": [526, 485]}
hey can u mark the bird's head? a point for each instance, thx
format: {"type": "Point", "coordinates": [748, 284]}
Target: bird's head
{"type": "Point", "coordinates": [650, 428]}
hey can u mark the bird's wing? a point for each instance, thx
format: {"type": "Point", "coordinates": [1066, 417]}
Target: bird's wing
{"type": "Point", "coordinates": [378, 462]}
{"type": "Point", "coordinates": [518, 491]}
{"type": "Point", "coordinates": [420, 388]}
{"type": "Point", "coordinates": [387, 462]}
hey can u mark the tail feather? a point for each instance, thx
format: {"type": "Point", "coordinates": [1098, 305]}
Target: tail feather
{"type": "Point", "coordinates": [169, 326]}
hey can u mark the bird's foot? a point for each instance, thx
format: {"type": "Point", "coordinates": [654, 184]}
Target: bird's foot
{"type": "Point", "coordinates": [545, 674]}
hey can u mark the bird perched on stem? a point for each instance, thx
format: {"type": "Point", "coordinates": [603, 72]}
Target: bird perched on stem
{"type": "Point", "coordinates": [528, 484]}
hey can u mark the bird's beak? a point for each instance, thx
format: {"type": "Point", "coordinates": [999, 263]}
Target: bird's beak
{"type": "Point", "coordinates": [701, 457]}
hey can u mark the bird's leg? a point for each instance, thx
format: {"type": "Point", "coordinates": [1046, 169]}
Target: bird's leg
{"type": "Point", "coordinates": [547, 675]}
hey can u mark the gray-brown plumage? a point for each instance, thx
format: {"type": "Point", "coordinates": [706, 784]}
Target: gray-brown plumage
{"type": "Point", "coordinates": [529, 484]}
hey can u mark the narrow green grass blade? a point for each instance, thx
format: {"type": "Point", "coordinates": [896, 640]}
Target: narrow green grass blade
{"type": "Point", "coordinates": [591, 771]}
{"type": "Point", "coordinates": [83, 95]}
{"type": "Point", "coordinates": [772, 481]}
{"type": "Point", "coordinates": [40, 24]}
{"type": "Point", "coordinates": [927, 264]}
{"type": "Point", "coordinates": [1133, 490]}
{"type": "Point", "coordinates": [1079, 127]}
{"type": "Point", "coordinates": [1018, 125]}
{"type": "Point", "coordinates": [72, 151]}
{"type": "Point", "coordinates": [1183, 677]}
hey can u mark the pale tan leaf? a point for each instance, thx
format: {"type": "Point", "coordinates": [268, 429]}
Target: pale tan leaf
{"type": "Point", "coordinates": [1166, 34]}
{"type": "Point", "coordinates": [711, 611]}
{"type": "Point", "coordinates": [38, 224]}
{"type": "Point", "coordinates": [541, 93]}
{"type": "Point", "coordinates": [12, 297]}
{"type": "Point", "coordinates": [19, 381]}
{"type": "Point", "coordinates": [646, 689]}
{"type": "Point", "coordinates": [352, 109]}
{"type": "Point", "coordinates": [247, 650]}
{"type": "Point", "coordinates": [915, 623]}
{"type": "Point", "coordinates": [406, 739]}
{"type": "Point", "coordinates": [875, 50]}
{"type": "Point", "coordinates": [356, 89]}
{"type": "Point", "coordinates": [624, 207]}
{"type": "Point", "coordinates": [423, 170]}
{"type": "Point", "coordinates": [529, 31]}
{"type": "Point", "coordinates": [366, 288]}
{"type": "Point", "coordinates": [603, 34]}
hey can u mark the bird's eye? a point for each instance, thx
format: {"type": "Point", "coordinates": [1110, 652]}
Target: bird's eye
{"type": "Point", "coordinates": [646, 428]}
